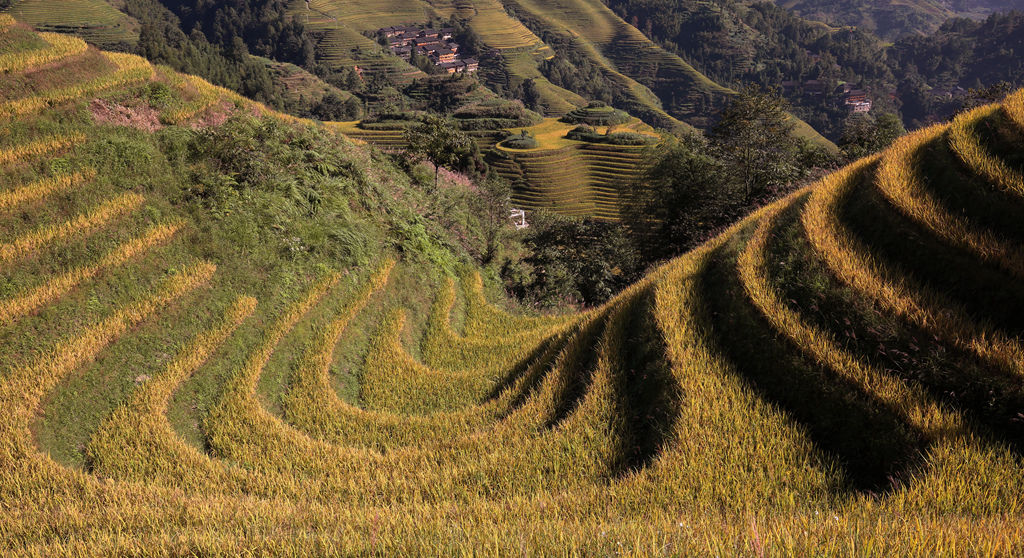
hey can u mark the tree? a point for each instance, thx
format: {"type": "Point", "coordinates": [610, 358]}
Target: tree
{"type": "Point", "coordinates": [682, 196]}
{"type": "Point", "coordinates": [332, 107]}
{"type": "Point", "coordinates": [531, 95]}
{"type": "Point", "coordinates": [754, 136]}
{"type": "Point", "coordinates": [440, 142]}
{"type": "Point", "coordinates": [572, 260]}
{"type": "Point", "coordinates": [863, 135]}
{"type": "Point", "coordinates": [979, 96]}
{"type": "Point", "coordinates": [495, 203]}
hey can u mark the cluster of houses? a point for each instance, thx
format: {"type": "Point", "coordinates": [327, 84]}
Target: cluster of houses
{"type": "Point", "coordinates": [438, 46]}
{"type": "Point", "coordinates": [856, 100]}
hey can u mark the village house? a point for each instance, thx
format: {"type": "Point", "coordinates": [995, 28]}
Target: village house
{"type": "Point", "coordinates": [857, 101]}
{"type": "Point", "coordinates": [814, 87]}
{"type": "Point", "coordinates": [443, 56]}
{"type": "Point", "coordinates": [396, 31]}
{"type": "Point", "coordinates": [403, 52]}
{"type": "Point", "coordinates": [423, 43]}
{"type": "Point", "coordinates": [438, 46]}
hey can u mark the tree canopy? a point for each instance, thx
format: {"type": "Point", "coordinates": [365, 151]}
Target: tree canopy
{"type": "Point", "coordinates": [754, 136]}
{"type": "Point", "coordinates": [437, 140]}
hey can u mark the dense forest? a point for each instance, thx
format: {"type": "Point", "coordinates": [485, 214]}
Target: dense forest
{"type": "Point", "coordinates": [216, 41]}
{"type": "Point", "coordinates": [892, 20]}
{"type": "Point", "coordinates": [261, 24]}
{"type": "Point", "coordinates": [163, 40]}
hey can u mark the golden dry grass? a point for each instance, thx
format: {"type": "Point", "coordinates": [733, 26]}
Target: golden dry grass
{"type": "Point", "coordinates": [824, 348]}
{"type": "Point", "coordinates": [61, 47]}
{"type": "Point", "coordinates": [38, 190]}
{"type": "Point", "coordinates": [966, 144]}
{"type": "Point", "coordinates": [39, 147]}
{"type": "Point", "coordinates": [854, 263]}
{"type": "Point", "coordinates": [59, 285]}
{"type": "Point", "coordinates": [130, 69]}
{"type": "Point", "coordinates": [899, 178]}
{"type": "Point", "coordinates": [97, 217]}
{"type": "Point", "coordinates": [122, 447]}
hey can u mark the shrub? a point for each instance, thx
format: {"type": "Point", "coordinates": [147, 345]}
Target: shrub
{"type": "Point", "coordinates": [584, 132]}
{"type": "Point", "coordinates": [628, 138]}
{"type": "Point", "coordinates": [596, 116]}
{"type": "Point", "coordinates": [476, 124]}
{"type": "Point", "coordinates": [520, 141]}
{"type": "Point", "coordinates": [390, 121]}
{"type": "Point", "coordinates": [159, 95]}
{"type": "Point", "coordinates": [588, 134]}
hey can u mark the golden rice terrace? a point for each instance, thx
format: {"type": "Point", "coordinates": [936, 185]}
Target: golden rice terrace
{"type": "Point", "coordinates": [838, 374]}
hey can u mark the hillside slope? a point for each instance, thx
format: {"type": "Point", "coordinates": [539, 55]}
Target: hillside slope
{"type": "Point", "coordinates": [96, 21]}
{"type": "Point", "coordinates": [891, 20]}
{"type": "Point", "coordinates": [571, 177]}
{"type": "Point", "coordinates": [240, 340]}
{"type": "Point", "coordinates": [651, 83]}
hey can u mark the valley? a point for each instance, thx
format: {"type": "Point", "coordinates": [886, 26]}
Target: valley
{"type": "Point", "coordinates": [226, 329]}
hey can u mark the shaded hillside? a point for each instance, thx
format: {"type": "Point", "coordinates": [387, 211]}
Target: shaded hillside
{"type": "Point", "coordinates": [922, 77]}
{"type": "Point", "coordinates": [891, 20]}
{"type": "Point", "coordinates": [967, 52]}
{"type": "Point", "coordinates": [255, 338]}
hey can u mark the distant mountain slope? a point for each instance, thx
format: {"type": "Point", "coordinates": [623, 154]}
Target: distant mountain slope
{"type": "Point", "coordinates": [646, 80]}
{"type": "Point", "coordinates": [647, 76]}
{"type": "Point", "coordinates": [894, 19]}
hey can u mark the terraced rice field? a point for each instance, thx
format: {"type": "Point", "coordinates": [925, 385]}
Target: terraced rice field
{"type": "Point", "coordinates": [124, 69]}
{"type": "Point", "coordinates": [56, 47]}
{"type": "Point", "coordinates": [522, 51]}
{"type": "Point", "coordinates": [385, 139]}
{"type": "Point", "coordinates": [649, 76]}
{"type": "Point", "coordinates": [581, 181]}
{"type": "Point", "coordinates": [499, 30]}
{"type": "Point", "coordinates": [837, 374]}
{"type": "Point", "coordinates": [569, 177]}
{"type": "Point", "coordinates": [340, 24]}
{"type": "Point", "coordinates": [647, 72]}
{"type": "Point", "coordinates": [96, 21]}
{"type": "Point", "coordinates": [372, 14]}
{"type": "Point", "coordinates": [299, 83]}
